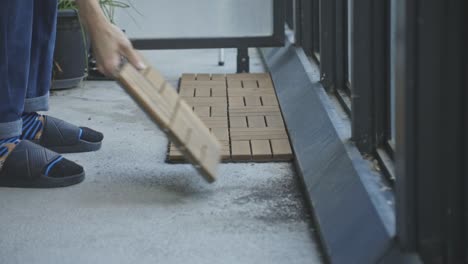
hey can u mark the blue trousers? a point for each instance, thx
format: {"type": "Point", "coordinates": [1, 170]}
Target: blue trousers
{"type": "Point", "coordinates": [27, 41]}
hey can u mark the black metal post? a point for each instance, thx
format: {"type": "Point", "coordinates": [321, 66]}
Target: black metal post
{"type": "Point", "coordinates": [341, 47]}
{"type": "Point", "coordinates": [431, 132]}
{"type": "Point", "coordinates": [327, 44]}
{"type": "Point", "coordinates": [466, 133]}
{"type": "Point", "coordinates": [316, 27]}
{"type": "Point", "coordinates": [362, 115]}
{"type": "Point", "coordinates": [243, 60]}
{"type": "Point", "coordinates": [306, 38]}
{"type": "Point", "coordinates": [381, 70]}
{"type": "Point", "coordinates": [405, 64]}
{"type": "Point", "coordinates": [298, 22]}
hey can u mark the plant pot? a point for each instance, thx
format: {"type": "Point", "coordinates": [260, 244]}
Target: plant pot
{"type": "Point", "coordinates": [70, 55]}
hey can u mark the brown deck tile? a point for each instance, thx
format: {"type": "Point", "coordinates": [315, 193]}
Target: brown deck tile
{"type": "Point", "coordinates": [261, 150]}
{"type": "Point", "coordinates": [281, 149]}
{"type": "Point", "coordinates": [250, 84]}
{"type": "Point", "coordinates": [242, 111]}
{"type": "Point", "coordinates": [241, 150]}
{"type": "Point", "coordinates": [164, 106]}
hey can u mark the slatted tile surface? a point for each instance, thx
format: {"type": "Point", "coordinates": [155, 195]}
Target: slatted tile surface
{"type": "Point", "coordinates": [176, 118]}
{"type": "Point", "coordinates": [242, 111]}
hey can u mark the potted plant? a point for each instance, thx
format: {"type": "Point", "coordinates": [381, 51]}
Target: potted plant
{"type": "Point", "coordinates": [72, 45]}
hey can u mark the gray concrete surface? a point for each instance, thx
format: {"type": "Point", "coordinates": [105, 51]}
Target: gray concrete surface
{"type": "Point", "coordinates": [135, 208]}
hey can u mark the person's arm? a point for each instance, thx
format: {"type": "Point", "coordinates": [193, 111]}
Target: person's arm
{"type": "Point", "coordinates": [108, 41]}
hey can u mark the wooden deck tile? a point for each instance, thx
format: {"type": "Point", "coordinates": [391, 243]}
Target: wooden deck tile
{"type": "Point", "coordinates": [257, 133]}
{"type": "Point", "coordinates": [225, 150]}
{"type": "Point", "coordinates": [218, 77]}
{"type": "Point", "coordinates": [258, 137]}
{"type": "Point", "coordinates": [203, 77]}
{"type": "Point", "coordinates": [261, 150]}
{"type": "Point", "coordinates": [187, 92]}
{"type": "Point", "coordinates": [170, 95]}
{"type": "Point", "coordinates": [241, 150]}
{"type": "Point", "coordinates": [248, 76]}
{"type": "Point", "coordinates": [238, 121]}
{"type": "Point", "coordinates": [215, 121]}
{"type": "Point", "coordinates": [175, 154]}
{"type": "Point", "coordinates": [209, 84]}
{"type": "Point", "coordinates": [202, 110]}
{"type": "Point", "coordinates": [234, 84]}
{"type": "Point", "coordinates": [256, 121]}
{"type": "Point", "coordinates": [250, 84]}
{"type": "Point", "coordinates": [221, 119]}
{"type": "Point", "coordinates": [236, 101]}
{"type": "Point", "coordinates": [252, 101]}
{"type": "Point", "coordinates": [269, 100]}
{"type": "Point", "coordinates": [188, 77]}
{"type": "Point", "coordinates": [221, 133]}
{"type": "Point", "coordinates": [274, 121]}
{"type": "Point", "coordinates": [250, 91]}
{"type": "Point", "coordinates": [218, 92]}
{"type": "Point", "coordinates": [253, 111]}
{"type": "Point", "coordinates": [218, 111]}
{"type": "Point", "coordinates": [164, 106]}
{"type": "Point", "coordinates": [147, 96]}
{"type": "Point", "coordinates": [204, 101]}
{"type": "Point", "coordinates": [203, 92]}
{"type": "Point", "coordinates": [242, 111]}
{"type": "Point", "coordinates": [265, 83]}
{"type": "Point", "coordinates": [281, 149]}
{"type": "Point", "coordinates": [154, 77]}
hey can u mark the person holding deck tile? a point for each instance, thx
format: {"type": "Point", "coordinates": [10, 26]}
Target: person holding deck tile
{"type": "Point", "coordinates": [31, 143]}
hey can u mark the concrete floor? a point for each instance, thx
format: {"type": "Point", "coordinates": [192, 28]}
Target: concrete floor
{"type": "Point", "coordinates": [135, 208]}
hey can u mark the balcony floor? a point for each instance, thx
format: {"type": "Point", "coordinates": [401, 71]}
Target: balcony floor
{"type": "Point", "coordinates": [135, 208]}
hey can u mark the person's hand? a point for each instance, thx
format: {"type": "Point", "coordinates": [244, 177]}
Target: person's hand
{"type": "Point", "coordinates": [109, 45]}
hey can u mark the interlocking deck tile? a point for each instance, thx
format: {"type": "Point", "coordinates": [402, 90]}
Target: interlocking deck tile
{"type": "Point", "coordinates": [202, 110]}
{"type": "Point", "coordinates": [281, 149]}
{"type": "Point", "coordinates": [209, 84]}
{"type": "Point", "coordinates": [221, 133]}
{"type": "Point", "coordinates": [252, 101]}
{"type": "Point", "coordinates": [161, 102]}
{"type": "Point", "coordinates": [274, 121]}
{"type": "Point", "coordinates": [256, 121]}
{"type": "Point", "coordinates": [187, 92]}
{"type": "Point", "coordinates": [252, 111]}
{"type": "Point", "coordinates": [265, 83]}
{"type": "Point", "coordinates": [269, 100]}
{"type": "Point", "coordinates": [148, 96]}
{"type": "Point", "coordinates": [188, 76]}
{"type": "Point", "coordinates": [218, 111]}
{"type": "Point", "coordinates": [250, 84]}
{"type": "Point", "coordinates": [203, 77]}
{"type": "Point", "coordinates": [248, 76]}
{"type": "Point", "coordinates": [204, 101]}
{"type": "Point", "coordinates": [203, 92]}
{"type": "Point", "coordinates": [242, 111]}
{"type": "Point", "coordinates": [234, 84]}
{"type": "Point", "coordinates": [250, 91]}
{"type": "Point", "coordinates": [217, 92]}
{"type": "Point", "coordinates": [241, 150]}
{"type": "Point", "coordinates": [238, 121]}
{"type": "Point", "coordinates": [218, 77]}
{"type": "Point", "coordinates": [236, 101]}
{"type": "Point", "coordinates": [215, 121]}
{"type": "Point", "coordinates": [261, 149]}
